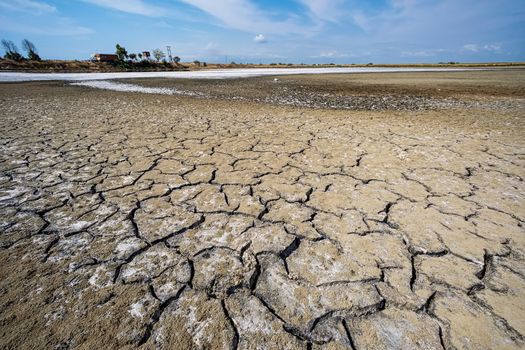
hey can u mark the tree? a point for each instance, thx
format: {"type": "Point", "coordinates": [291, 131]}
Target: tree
{"type": "Point", "coordinates": [176, 59]}
{"type": "Point", "coordinates": [11, 51]}
{"type": "Point", "coordinates": [132, 56]}
{"type": "Point", "coordinates": [121, 52]}
{"type": "Point", "coordinates": [30, 48]}
{"type": "Point", "coordinates": [140, 56]}
{"type": "Point", "coordinates": [158, 54]}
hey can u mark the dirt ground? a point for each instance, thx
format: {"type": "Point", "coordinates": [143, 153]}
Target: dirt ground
{"type": "Point", "coordinates": [407, 91]}
{"type": "Point", "coordinates": [480, 83]}
{"type": "Point", "coordinates": [168, 222]}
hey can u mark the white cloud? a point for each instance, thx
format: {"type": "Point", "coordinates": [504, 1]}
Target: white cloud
{"type": "Point", "coordinates": [244, 15]}
{"type": "Point", "coordinates": [163, 24]}
{"type": "Point", "coordinates": [471, 47]}
{"type": "Point", "coordinates": [415, 22]}
{"type": "Point", "coordinates": [212, 49]}
{"type": "Point", "coordinates": [494, 47]}
{"type": "Point", "coordinates": [360, 20]}
{"type": "Point", "coordinates": [422, 53]}
{"type": "Point", "coordinates": [259, 38]}
{"type": "Point", "coordinates": [331, 54]}
{"type": "Point", "coordinates": [32, 6]}
{"type": "Point", "coordinates": [137, 7]}
{"type": "Point", "coordinates": [325, 10]}
{"type": "Point", "coordinates": [41, 19]}
{"type": "Point", "coordinates": [60, 26]}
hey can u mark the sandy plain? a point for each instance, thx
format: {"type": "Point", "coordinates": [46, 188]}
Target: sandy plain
{"type": "Point", "coordinates": [370, 211]}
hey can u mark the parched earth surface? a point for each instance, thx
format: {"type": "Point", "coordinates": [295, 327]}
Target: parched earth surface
{"type": "Point", "coordinates": [168, 222]}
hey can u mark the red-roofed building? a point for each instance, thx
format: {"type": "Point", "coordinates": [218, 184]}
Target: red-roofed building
{"type": "Point", "coordinates": [105, 57]}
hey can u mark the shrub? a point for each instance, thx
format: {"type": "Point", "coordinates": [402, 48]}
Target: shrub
{"type": "Point", "coordinates": [121, 52]}
{"type": "Point", "coordinates": [11, 51]}
{"type": "Point", "coordinates": [158, 54]}
{"type": "Point", "coordinates": [30, 48]}
{"type": "Point", "coordinates": [144, 64]}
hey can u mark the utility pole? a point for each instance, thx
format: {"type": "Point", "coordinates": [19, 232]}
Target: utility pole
{"type": "Point", "coordinates": [168, 49]}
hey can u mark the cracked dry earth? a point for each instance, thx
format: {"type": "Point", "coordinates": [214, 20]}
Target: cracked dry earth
{"type": "Point", "coordinates": [168, 222]}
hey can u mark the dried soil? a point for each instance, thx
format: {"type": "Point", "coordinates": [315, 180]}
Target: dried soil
{"type": "Point", "coordinates": [132, 220]}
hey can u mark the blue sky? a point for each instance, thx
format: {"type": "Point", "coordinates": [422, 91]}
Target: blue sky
{"type": "Point", "coordinates": [299, 31]}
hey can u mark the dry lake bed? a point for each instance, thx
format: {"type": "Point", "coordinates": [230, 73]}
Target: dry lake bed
{"type": "Point", "coordinates": [337, 211]}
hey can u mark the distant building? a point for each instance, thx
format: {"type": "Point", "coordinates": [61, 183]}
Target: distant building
{"type": "Point", "coordinates": [105, 57]}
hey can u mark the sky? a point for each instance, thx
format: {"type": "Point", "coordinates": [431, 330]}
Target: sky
{"type": "Point", "coordinates": [266, 31]}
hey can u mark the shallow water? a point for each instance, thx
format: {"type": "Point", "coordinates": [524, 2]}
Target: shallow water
{"type": "Point", "coordinates": [208, 74]}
